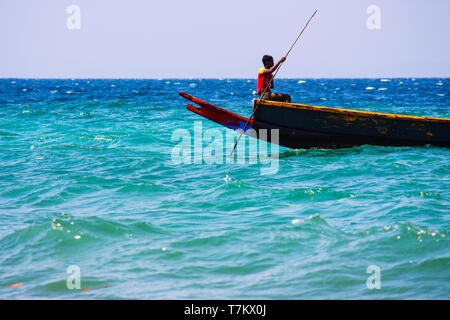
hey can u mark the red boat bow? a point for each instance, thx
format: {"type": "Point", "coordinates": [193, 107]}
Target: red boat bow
{"type": "Point", "coordinates": [216, 114]}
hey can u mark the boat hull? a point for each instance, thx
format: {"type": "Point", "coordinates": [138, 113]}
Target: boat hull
{"type": "Point", "coordinates": [301, 126]}
{"type": "Point", "coordinates": [304, 126]}
{"type": "Point", "coordinates": [302, 139]}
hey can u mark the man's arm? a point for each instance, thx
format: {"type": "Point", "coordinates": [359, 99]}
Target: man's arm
{"type": "Point", "coordinates": [275, 66]}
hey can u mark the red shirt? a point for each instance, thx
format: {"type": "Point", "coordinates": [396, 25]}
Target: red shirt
{"type": "Point", "coordinates": [263, 81]}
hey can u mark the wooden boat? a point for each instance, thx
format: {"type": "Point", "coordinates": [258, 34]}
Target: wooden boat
{"type": "Point", "coordinates": [306, 126]}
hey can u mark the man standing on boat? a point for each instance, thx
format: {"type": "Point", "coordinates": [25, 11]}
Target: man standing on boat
{"type": "Point", "coordinates": [265, 75]}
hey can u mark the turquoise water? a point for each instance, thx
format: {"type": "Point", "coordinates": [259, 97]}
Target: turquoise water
{"type": "Point", "coordinates": [87, 179]}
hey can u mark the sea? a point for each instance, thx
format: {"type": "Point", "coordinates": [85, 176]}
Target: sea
{"type": "Point", "coordinates": [95, 204]}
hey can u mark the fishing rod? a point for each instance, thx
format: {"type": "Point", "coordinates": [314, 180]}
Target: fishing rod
{"type": "Point", "coordinates": [270, 82]}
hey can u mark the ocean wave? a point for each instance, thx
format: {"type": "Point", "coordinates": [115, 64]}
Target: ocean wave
{"type": "Point", "coordinates": [318, 193]}
{"type": "Point", "coordinates": [68, 229]}
{"type": "Point", "coordinates": [142, 187]}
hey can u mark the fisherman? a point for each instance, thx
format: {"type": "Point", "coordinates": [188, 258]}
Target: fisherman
{"type": "Point", "coordinates": [264, 76]}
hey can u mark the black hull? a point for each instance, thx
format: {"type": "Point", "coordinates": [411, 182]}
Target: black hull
{"type": "Point", "coordinates": [301, 139]}
{"type": "Point", "coordinates": [304, 126]}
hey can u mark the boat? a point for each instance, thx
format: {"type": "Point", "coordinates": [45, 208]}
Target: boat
{"type": "Point", "coordinates": [306, 126]}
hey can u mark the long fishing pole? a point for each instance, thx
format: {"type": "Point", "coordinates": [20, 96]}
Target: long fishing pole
{"type": "Point", "coordinates": [270, 82]}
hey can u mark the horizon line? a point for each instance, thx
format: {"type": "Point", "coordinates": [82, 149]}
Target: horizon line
{"type": "Point", "coordinates": [208, 78]}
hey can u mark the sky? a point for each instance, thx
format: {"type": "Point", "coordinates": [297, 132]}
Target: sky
{"type": "Point", "coordinates": [223, 39]}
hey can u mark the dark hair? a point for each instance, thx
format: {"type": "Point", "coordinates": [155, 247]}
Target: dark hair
{"type": "Point", "coordinates": [266, 59]}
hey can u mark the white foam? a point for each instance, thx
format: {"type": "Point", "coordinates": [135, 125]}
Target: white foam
{"type": "Point", "coordinates": [297, 221]}
{"type": "Point", "coordinates": [370, 88]}
{"type": "Point", "coordinates": [385, 80]}
{"type": "Point", "coordinates": [301, 81]}
{"type": "Point", "coordinates": [382, 89]}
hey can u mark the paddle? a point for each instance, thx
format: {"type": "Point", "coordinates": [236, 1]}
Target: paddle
{"type": "Point", "coordinates": [268, 85]}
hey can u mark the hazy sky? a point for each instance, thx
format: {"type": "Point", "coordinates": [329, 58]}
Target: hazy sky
{"type": "Point", "coordinates": [223, 39]}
